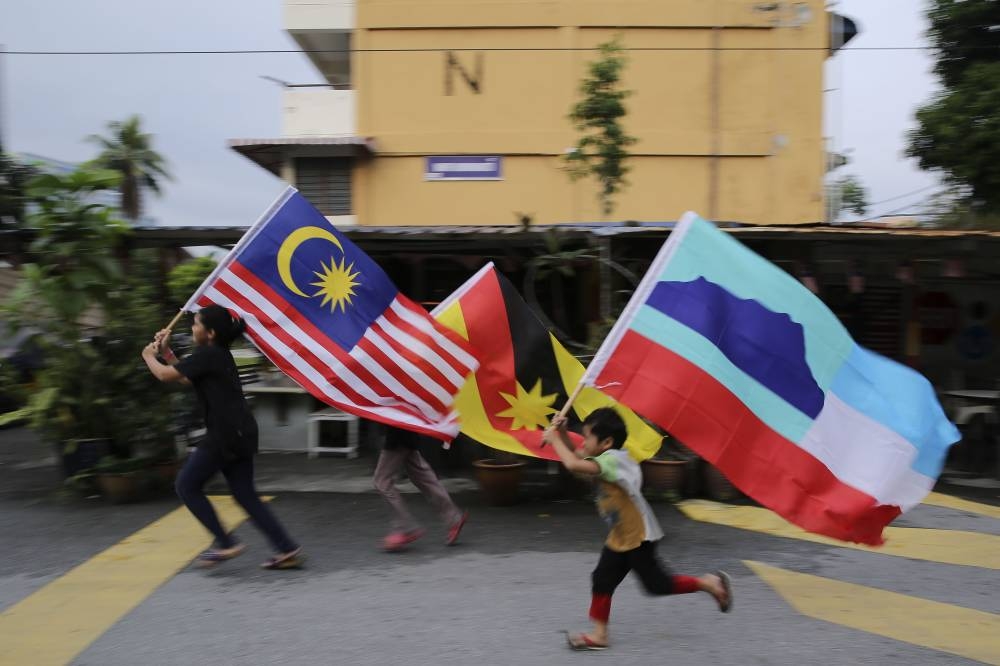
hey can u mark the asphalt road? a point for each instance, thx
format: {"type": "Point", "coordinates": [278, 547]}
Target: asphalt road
{"type": "Point", "coordinates": [518, 577]}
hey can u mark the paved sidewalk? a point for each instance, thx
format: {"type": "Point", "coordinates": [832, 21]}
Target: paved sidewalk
{"type": "Point", "coordinates": [29, 467]}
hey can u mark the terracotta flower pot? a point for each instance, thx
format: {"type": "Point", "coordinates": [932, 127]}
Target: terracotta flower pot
{"type": "Point", "coordinates": [167, 471]}
{"type": "Point", "coordinates": [663, 476]}
{"type": "Point", "coordinates": [499, 481]}
{"type": "Point", "coordinates": [120, 487]}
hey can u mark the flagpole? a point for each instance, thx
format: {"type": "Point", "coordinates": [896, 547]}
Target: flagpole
{"type": "Point", "coordinates": [571, 399]}
{"type": "Point", "coordinates": [177, 317]}
{"type": "Point", "coordinates": [243, 242]}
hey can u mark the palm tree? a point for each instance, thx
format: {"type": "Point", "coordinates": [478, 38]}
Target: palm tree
{"type": "Point", "coordinates": [127, 150]}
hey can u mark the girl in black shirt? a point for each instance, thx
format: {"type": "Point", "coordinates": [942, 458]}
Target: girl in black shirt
{"type": "Point", "coordinates": [231, 434]}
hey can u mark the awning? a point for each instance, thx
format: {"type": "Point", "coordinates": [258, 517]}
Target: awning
{"type": "Point", "coordinates": [271, 153]}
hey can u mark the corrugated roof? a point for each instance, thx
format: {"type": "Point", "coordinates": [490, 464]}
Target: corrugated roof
{"type": "Point", "coordinates": [367, 142]}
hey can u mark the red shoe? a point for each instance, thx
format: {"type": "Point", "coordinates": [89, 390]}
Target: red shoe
{"type": "Point", "coordinates": [399, 540]}
{"type": "Point", "coordinates": [456, 529]}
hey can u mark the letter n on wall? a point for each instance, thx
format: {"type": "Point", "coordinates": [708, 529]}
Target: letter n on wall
{"type": "Point", "coordinates": [453, 66]}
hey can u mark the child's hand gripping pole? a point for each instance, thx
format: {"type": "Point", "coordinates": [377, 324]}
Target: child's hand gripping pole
{"type": "Point", "coordinates": [562, 413]}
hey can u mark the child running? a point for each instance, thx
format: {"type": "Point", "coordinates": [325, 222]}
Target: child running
{"type": "Point", "coordinates": [231, 434]}
{"type": "Point", "coordinates": [634, 530]}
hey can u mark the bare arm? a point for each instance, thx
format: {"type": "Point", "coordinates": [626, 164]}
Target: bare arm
{"type": "Point", "coordinates": [162, 339]}
{"type": "Point", "coordinates": [558, 437]}
{"type": "Point", "coordinates": [162, 371]}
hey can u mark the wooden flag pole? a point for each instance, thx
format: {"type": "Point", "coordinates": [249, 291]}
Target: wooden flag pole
{"type": "Point", "coordinates": [571, 399]}
{"type": "Point", "coordinates": [173, 322]}
{"type": "Point", "coordinates": [565, 410]}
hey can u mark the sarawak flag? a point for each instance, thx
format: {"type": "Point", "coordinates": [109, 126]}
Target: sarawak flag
{"type": "Point", "coordinates": [524, 376]}
{"type": "Point", "coordinates": [329, 317]}
{"type": "Point", "coordinates": [746, 366]}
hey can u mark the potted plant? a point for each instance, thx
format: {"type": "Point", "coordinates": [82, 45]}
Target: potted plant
{"type": "Point", "coordinates": [499, 476]}
{"type": "Point", "coordinates": [69, 408]}
{"type": "Point", "coordinates": [665, 473]}
{"type": "Point", "coordinates": [124, 480]}
{"type": "Point", "coordinates": [92, 397]}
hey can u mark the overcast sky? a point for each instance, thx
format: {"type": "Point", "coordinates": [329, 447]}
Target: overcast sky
{"type": "Point", "coordinates": [194, 103]}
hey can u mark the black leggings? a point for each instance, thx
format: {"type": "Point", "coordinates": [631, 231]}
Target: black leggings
{"type": "Point", "coordinates": [613, 566]}
{"type": "Point", "coordinates": [201, 466]}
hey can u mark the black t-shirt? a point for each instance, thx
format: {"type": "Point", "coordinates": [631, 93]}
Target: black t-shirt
{"type": "Point", "coordinates": [230, 425]}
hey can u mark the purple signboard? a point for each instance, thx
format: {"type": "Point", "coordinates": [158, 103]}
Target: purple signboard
{"type": "Point", "coordinates": [463, 167]}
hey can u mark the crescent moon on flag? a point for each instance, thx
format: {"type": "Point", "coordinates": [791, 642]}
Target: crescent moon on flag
{"type": "Point", "coordinates": [291, 244]}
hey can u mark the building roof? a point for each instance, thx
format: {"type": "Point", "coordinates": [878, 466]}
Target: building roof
{"type": "Point", "coordinates": [271, 153]}
{"type": "Point", "coordinates": [190, 236]}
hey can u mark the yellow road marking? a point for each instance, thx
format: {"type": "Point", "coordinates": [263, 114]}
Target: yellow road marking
{"type": "Point", "coordinates": [949, 502]}
{"type": "Point", "coordinates": [59, 621]}
{"type": "Point", "coordinates": [971, 549]}
{"type": "Point", "coordinates": [932, 624]}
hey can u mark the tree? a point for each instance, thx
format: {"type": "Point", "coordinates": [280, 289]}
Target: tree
{"type": "Point", "coordinates": [852, 196]}
{"type": "Point", "coordinates": [601, 151]}
{"type": "Point", "coordinates": [128, 151]}
{"type": "Point", "coordinates": [93, 383]}
{"type": "Point", "coordinates": [14, 177]}
{"type": "Point", "coordinates": [71, 262]}
{"type": "Point", "coordinates": [958, 132]}
{"type": "Point", "coordinates": [185, 278]}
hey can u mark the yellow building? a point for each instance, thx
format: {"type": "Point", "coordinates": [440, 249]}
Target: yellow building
{"type": "Point", "coordinates": [454, 112]}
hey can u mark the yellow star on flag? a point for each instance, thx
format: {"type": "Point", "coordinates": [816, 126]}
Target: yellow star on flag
{"type": "Point", "coordinates": [336, 284]}
{"type": "Point", "coordinates": [529, 409]}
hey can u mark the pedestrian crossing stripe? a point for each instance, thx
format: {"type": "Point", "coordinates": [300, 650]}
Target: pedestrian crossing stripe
{"type": "Point", "coordinates": [972, 549]}
{"type": "Point", "coordinates": [931, 624]}
{"type": "Point", "coordinates": [56, 623]}
{"type": "Point", "coordinates": [949, 502]}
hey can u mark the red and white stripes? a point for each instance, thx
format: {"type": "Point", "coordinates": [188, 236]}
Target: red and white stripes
{"type": "Point", "coordinates": [405, 371]}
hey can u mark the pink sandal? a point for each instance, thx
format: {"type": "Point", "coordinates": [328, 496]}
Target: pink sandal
{"type": "Point", "coordinates": [399, 540]}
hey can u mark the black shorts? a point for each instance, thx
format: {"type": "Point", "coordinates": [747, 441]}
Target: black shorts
{"type": "Point", "coordinates": [655, 576]}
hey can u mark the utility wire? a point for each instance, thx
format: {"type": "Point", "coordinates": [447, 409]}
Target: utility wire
{"type": "Point", "coordinates": [903, 196]}
{"type": "Point", "coordinates": [791, 49]}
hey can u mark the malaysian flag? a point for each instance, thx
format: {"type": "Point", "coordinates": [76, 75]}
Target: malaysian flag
{"type": "Point", "coordinates": [331, 319]}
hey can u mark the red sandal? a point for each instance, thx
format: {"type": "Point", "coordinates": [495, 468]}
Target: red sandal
{"type": "Point", "coordinates": [583, 642]}
{"type": "Point", "coordinates": [397, 541]}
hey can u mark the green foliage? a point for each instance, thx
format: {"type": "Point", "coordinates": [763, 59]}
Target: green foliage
{"type": "Point", "coordinates": [186, 277]}
{"type": "Point", "coordinates": [853, 196]}
{"type": "Point", "coordinates": [129, 152]}
{"type": "Point", "coordinates": [560, 260]}
{"type": "Point", "coordinates": [951, 210]}
{"type": "Point", "coordinates": [964, 34]}
{"type": "Point", "coordinates": [14, 177]}
{"type": "Point", "coordinates": [602, 149]}
{"type": "Point", "coordinates": [72, 259]}
{"type": "Point", "coordinates": [958, 132]}
{"type": "Point", "coordinates": [15, 416]}
{"type": "Point", "coordinates": [94, 383]}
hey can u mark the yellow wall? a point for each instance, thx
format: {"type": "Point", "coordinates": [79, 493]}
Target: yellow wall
{"type": "Point", "coordinates": [768, 117]}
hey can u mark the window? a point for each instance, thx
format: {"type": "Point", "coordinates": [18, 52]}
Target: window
{"type": "Point", "coordinates": [326, 183]}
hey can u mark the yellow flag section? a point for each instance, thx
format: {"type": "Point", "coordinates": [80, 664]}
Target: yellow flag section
{"type": "Point", "coordinates": [525, 376]}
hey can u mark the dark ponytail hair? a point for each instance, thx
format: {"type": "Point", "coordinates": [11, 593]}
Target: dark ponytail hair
{"type": "Point", "coordinates": [227, 326]}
